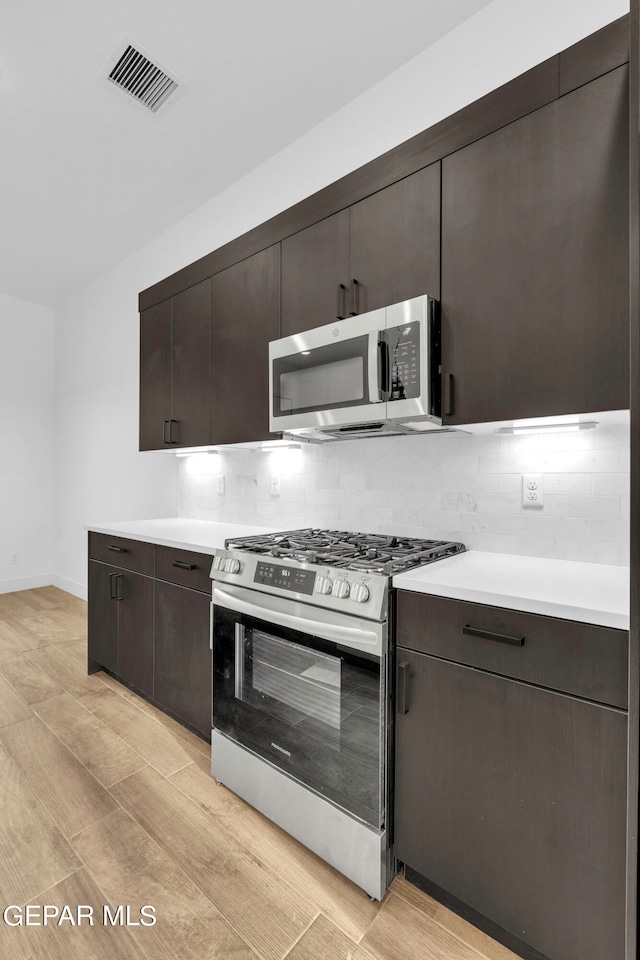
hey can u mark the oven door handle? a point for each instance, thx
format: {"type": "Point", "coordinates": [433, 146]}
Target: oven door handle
{"type": "Point", "coordinates": [367, 635]}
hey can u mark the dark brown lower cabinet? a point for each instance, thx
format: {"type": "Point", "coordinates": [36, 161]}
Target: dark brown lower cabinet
{"type": "Point", "coordinates": [510, 798]}
{"type": "Point", "coordinates": [182, 664]}
{"type": "Point", "coordinates": [151, 629]}
{"type": "Point", "coordinates": [102, 616]}
{"type": "Point", "coordinates": [121, 623]}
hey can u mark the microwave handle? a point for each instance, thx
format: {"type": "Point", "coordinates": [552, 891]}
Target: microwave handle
{"type": "Point", "coordinates": [377, 377]}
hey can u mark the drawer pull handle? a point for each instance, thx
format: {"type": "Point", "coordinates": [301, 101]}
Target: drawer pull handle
{"type": "Point", "coordinates": [115, 549]}
{"type": "Point", "coordinates": [489, 635]}
{"type": "Point", "coordinates": [184, 566]}
{"type": "Point", "coordinates": [403, 677]}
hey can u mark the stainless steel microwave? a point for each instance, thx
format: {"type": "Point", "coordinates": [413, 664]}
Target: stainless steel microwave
{"type": "Point", "coordinates": [368, 375]}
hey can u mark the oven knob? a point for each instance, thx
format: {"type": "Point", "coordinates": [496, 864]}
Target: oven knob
{"type": "Point", "coordinates": [231, 565]}
{"type": "Point", "coordinates": [323, 585]}
{"type": "Point", "coordinates": [359, 592]}
{"type": "Point", "coordinates": [218, 563]}
{"type": "Point", "coordinates": [340, 589]}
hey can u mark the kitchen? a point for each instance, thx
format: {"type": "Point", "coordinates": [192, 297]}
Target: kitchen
{"type": "Point", "coordinates": [463, 487]}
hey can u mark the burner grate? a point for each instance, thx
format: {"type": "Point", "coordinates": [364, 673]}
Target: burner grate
{"type": "Point", "coordinates": [364, 552]}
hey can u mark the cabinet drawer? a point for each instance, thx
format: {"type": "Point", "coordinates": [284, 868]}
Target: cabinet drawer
{"type": "Point", "coordinates": [122, 552]}
{"type": "Point", "coordinates": [577, 658]}
{"type": "Point", "coordinates": [184, 567]}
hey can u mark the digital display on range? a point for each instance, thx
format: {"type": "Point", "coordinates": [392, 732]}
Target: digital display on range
{"type": "Point", "coordinates": [287, 578]}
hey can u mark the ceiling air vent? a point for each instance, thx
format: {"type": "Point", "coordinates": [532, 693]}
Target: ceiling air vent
{"type": "Point", "coordinates": [132, 70]}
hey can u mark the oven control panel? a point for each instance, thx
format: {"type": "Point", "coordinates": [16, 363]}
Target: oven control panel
{"type": "Point", "coordinates": [295, 579]}
{"type": "Point", "coordinates": [348, 591]}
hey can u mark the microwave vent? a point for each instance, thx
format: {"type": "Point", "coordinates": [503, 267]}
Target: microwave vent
{"type": "Point", "coordinates": [133, 71]}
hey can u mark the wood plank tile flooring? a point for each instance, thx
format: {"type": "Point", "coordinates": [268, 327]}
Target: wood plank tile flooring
{"type": "Point", "coordinates": [104, 800]}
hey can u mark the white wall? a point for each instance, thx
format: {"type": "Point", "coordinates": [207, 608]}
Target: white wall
{"type": "Point", "coordinates": [26, 457]}
{"type": "Point", "coordinates": [99, 474]}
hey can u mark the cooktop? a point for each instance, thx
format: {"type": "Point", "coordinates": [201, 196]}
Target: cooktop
{"type": "Point", "coordinates": [366, 552]}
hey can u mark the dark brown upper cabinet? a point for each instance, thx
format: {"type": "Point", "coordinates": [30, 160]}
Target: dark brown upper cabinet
{"type": "Point", "coordinates": [245, 316]}
{"type": "Point", "coordinates": [174, 371]}
{"type": "Point", "coordinates": [315, 275]}
{"type": "Point", "coordinates": [381, 250]}
{"type": "Point", "coordinates": [535, 314]}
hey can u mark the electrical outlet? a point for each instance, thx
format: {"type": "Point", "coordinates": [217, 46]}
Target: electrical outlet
{"type": "Point", "coordinates": [221, 484]}
{"type": "Point", "coordinates": [532, 490]}
{"type": "Point", "coordinates": [15, 558]}
{"type": "Point", "coordinates": [274, 486]}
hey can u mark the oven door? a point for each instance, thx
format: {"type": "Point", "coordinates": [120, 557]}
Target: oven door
{"type": "Point", "coordinates": [333, 375]}
{"type": "Point", "coordinates": [304, 689]}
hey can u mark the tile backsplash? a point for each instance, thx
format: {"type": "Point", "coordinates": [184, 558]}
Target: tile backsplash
{"type": "Point", "coordinates": [444, 486]}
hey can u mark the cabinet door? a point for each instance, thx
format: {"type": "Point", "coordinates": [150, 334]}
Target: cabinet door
{"type": "Point", "coordinates": [190, 379]}
{"type": "Point", "coordinates": [395, 241]}
{"type": "Point", "coordinates": [315, 275]}
{"type": "Point", "coordinates": [102, 642]}
{"type": "Point", "coordinates": [535, 311]}
{"type": "Point", "coordinates": [182, 662]}
{"type": "Point", "coordinates": [135, 630]}
{"type": "Point", "coordinates": [512, 799]}
{"type": "Point", "coordinates": [245, 316]}
{"type": "Point", "coordinates": [155, 375]}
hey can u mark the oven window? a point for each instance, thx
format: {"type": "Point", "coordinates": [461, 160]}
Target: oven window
{"type": "Point", "coordinates": [309, 708]}
{"type": "Point", "coordinates": [325, 378]}
{"type": "Point", "coordinates": [287, 675]}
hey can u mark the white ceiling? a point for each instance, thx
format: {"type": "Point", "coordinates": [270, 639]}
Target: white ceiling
{"type": "Point", "coordinates": [87, 177]}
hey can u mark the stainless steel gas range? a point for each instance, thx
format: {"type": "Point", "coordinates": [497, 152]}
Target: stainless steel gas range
{"type": "Point", "coordinates": [302, 686]}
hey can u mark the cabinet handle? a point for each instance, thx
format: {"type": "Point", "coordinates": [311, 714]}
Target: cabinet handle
{"type": "Point", "coordinates": [171, 423]}
{"type": "Point", "coordinates": [184, 566]}
{"type": "Point", "coordinates": [447, 394]}
{"type": "Point", "coordinates": [489, 635]}
{"type": "Point", "coordinates": [118, 577]}
{"type": "Point", "coordinates": [403, 677]}
{"type": "Point", "coordinates": [166, 431]}
{"type": "Point", "coordinates": [115, 549]}
{"type": "Point", "coordinates": [355, 298]}
{"type": "Point", "coordinates": [112, 586]}
{"type": "Point", "coordinates": [341, 311]}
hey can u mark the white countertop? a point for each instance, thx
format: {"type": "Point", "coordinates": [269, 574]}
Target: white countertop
{"type": "Point", "coordinates": [587, 592]}
{"type": "Point", "coordinates": [201, 536]}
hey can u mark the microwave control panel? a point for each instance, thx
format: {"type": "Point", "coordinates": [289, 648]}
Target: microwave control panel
{"type": "Point", "coordinates": [404, 361]}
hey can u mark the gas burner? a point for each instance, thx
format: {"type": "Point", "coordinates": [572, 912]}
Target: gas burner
{"type": "Point", "coordinates": [365, 552]}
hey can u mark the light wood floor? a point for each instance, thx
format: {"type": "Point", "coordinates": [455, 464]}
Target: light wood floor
{"type": "Point", "coordinates": [105, 800]}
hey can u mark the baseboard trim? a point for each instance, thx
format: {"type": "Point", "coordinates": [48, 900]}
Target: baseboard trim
{"type": "Point", "coordinates": [477, 919]}
{"type": "Point", "coordinates": [26, 583]}
{"type": "Point", "coordinates": [69, 586]}
{"type": "Point", "coordinates": [44, 580]}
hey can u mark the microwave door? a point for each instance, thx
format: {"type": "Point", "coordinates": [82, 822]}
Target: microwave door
{"type": "Point", "coordinates": [328, 376]}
